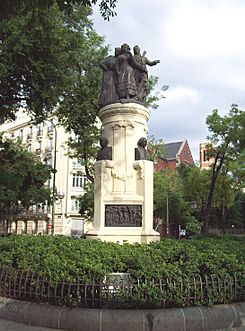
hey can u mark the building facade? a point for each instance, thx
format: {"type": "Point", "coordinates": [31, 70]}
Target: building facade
{"type": "Point", "coordinates": [205, 161]}
{"type": "Point", "coordinates": [47, 139]}
{"type": "Point", "coordinates": [177, 153]}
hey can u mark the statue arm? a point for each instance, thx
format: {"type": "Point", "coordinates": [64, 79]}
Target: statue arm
{"type": "Point", "coordinates": [151, 63]}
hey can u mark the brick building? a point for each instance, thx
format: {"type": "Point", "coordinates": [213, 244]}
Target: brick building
{"type": "Point", "coordinates": [177, 153]}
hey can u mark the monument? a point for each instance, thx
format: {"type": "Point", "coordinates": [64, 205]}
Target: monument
{"type": "Point", "coordinates": [123, 186]}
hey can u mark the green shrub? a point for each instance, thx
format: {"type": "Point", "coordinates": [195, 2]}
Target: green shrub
{"type": "Point", "coordinates": [175, 262]}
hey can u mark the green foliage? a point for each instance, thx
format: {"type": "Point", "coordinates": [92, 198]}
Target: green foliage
{"type": "Point", "coordinates": [81, 99]}
{"type": "Point", "coordinates": [175, 262]}
{"type": "Point", "coordinates": [12, 7]}
{"type": "Point", "coordinates": [227, 148]}
{"type": "Point", "coordinates": [196, 184]}
{"type": "Point", "coordinates": [168, 186]}
{"type": "Point", "coordinates": [153, 95]}
{"type": "Point", "coordinates": [87, 201]}
{"type": "Point", "coordinates": [156, 148]}
{"type": "Point", "coordinates": [43, 50]}
{"type": "Point", "coordinates": [193, 225]}
{"type": "Point", "coordinates": [22, 176]}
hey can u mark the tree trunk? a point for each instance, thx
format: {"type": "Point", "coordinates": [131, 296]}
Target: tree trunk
{"type": "Point", "coordinates": [223, 217]}
{"type": "Point", "coordinates": [218, 162]}
{"type": "Point", "coordinates": [207, 210]}
{"type": "Point", "coordinates": [87, 173]}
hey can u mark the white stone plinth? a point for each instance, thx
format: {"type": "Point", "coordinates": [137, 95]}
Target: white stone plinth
{"type": "Point", "coordinates": [123, 181]}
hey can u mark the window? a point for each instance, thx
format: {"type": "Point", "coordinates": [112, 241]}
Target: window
{"type": "Point", "coordinates": [39, 147]}
{"type": "Point", "coordinates": [40, 129]}
{"type": "Point", "coordinates": [49, 183]}
{"type": "Point", "coordinates": [205, 156]}
{"type": "Point", "coordinates": [50, 143]}
{"type": "Point", "coordinates": [21, 134]}
{"type": "Point", "coordinates": [29, 148]}
{"type": "Point", "coordinates": [50, 127]}
{"type": "Point", "coordinates": [29, 136]}
{"type": "Point", "coordinates": [75, 204]}
{"type": "Point", "coordinates": [78, 180]}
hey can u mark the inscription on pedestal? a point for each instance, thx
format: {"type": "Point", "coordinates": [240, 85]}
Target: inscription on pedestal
{"type": "Point", "coordinates": [123, 215]}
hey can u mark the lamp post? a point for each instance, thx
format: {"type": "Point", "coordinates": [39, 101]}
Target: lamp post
{"type": "Point", "coordinates": [59, 195]}
{"type": "Point", "coordinates": [54, 175]}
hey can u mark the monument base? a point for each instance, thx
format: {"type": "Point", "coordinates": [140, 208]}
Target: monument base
{"type": "Point", "coordinates": [123, 185]}
{"type": "Point", "coordinates": [122, 235]}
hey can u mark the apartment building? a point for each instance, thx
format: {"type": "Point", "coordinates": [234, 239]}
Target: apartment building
{"type": "Point", "coordinates": [43, 139]}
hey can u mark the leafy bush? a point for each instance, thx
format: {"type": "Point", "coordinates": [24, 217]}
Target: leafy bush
{"type": "Point", "coordinates": [174, 262]}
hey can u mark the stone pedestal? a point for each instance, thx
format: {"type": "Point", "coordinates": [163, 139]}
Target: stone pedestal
{"type": "Point", "coordinates": [123, 187]}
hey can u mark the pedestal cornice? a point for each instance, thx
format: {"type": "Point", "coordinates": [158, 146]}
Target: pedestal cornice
{"type": "Point", "coordinates": [124, 108]}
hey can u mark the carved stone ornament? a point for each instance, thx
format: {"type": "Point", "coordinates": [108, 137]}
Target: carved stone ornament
{"type": "Point", "coordinates": [123, 124]}
{"type": "Point", "coordinates": [122, 177]}
{"type": "Point", "coordinates": [123, 215]}
{"type": "Point", "coordinates": [138, 166]}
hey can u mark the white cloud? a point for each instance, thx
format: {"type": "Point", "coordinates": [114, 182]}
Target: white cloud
{"type": "Point", "coordinates": [181, 93]}
{"type": "Point", "coordinates": [203, 28]}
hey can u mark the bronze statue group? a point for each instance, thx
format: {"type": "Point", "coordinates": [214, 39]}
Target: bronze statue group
{"type": "Point", "coordinates": [125, 76]}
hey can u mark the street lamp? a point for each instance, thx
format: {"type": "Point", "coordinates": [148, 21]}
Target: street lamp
{"type": "Point", "coordinates": [56, 200]}
{"type": "Point", "coordinates": [59, 195]}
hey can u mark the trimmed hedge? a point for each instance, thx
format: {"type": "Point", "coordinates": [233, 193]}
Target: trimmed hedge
{"type": "Point", "coordinates": [169, 273]}
{"type": "Point", "coordinates": [66, 258]}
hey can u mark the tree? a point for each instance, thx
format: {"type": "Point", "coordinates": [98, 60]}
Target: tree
{"type": "Point", "coordinates": [43, 47]}
{"type": "Point", "coordinates": [81, 98]}
{"type": "Point", "coordinates": [169, 203]}
{"type": "Point", "coordinates": [53, 55]}
{"type": "Point", "coordinates": [23, 176]}
{"type": "Point", "coordinates": [153, 95]}
{"type": "Point", "coordinates": [156, 148]}
{"type": "Point", "coordinates": [87, 201]}
{"type": "Point", "coordinates": [195, 184]}
{"type": "Point", "coordinates": [11, 7]}
{"type": "Point", "coordinates": [226, 147]}
{"type": "Point", "coordinates": [226, 189]}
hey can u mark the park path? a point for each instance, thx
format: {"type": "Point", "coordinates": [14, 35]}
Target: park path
{"type": "Point", "coordinates": [13, 326]}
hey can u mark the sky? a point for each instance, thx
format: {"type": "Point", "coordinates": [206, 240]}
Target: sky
{"type": "Point", "coordinates": [201, 46]}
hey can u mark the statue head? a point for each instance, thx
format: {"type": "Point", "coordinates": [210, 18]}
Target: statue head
{"type": "Point", "coordinates": [125, 48]}
{"type": "Point", "coordinates": [136, 50]}
{"type": "Point", "coordinates": [142, 142]}
{"type": "Point", "coordinates": [103, 142]}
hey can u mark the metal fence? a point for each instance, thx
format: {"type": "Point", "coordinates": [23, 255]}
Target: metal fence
{"type": "Point", "coordinates": [123, 292]}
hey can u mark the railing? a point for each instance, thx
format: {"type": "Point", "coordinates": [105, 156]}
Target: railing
{"type": "Point", "coordinates": [124, 293]}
